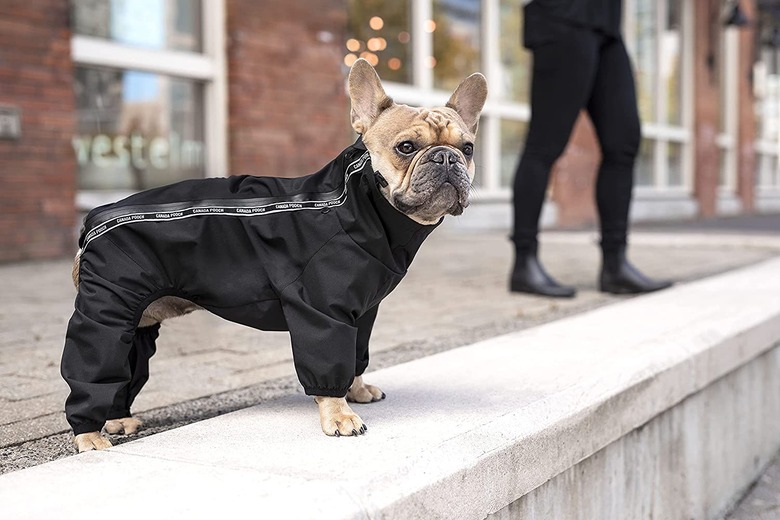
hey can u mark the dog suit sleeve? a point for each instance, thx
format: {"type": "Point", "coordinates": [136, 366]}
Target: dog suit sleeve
{"type": "Point", "coordinates": [323, 343]}
{"type": "Point", "coordinates": [365, 324]}
{"type": "Point", "coordinates": [321, 308]}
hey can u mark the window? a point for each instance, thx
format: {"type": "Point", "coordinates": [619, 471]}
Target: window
{"type": "Point", "coordinates": [455, 27]}
{"type": "Point", "coordinates": [148, 74]}
{"type": "Point", "coordinates": [152, 24]}
{"type": "Point", "coordinates": [137, 130]}
{"type": "Point", "coordinates": [515, 60]}
{"type": "Point", "coordinates": [380, 32]}
{"type": "Point", "coordinates": [767, 107]}
{"type": "Point", "coordinates": [443, 41]}
{"type": "Point", "coordinates": [658, 38]}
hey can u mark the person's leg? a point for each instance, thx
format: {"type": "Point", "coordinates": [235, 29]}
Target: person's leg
{"type": "Point", "coordinates": [563, 73]}
{"type": "Point", "coordinates": [613, 109]}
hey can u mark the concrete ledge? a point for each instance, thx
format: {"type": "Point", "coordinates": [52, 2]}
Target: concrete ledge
{"type": "Point", "coordinates": [507, 426]}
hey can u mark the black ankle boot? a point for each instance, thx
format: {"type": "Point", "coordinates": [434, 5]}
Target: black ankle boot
{"type": "Point", "coordinates": [529, 276]}
{"type": "Point", "coordinates": [618, 276]}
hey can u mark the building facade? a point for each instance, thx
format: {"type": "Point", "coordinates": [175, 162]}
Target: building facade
{"type": "Point", "coordinates": [102, 98]}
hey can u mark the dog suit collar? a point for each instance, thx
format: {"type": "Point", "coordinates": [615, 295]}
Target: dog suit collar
{"type": "Point", "coordinates": [359, 145]}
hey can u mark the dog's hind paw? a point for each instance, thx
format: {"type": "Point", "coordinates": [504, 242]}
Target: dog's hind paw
{"type": "Point", "coordinates": [337, 418]}
{"type": "Point", "coordinates": [125, 425]}
{"type": "Point", "coordinates": [91, 441]}
{"type": "Point", "coordinates": [361, 392]}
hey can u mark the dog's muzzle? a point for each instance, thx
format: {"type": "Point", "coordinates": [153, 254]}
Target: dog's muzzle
{"type": "Point", "coordinates": [450, 168]}
{"type": "Point", "coordinates": [440, 184]}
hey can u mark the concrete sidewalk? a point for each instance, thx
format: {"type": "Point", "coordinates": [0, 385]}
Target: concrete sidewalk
{"type": "Point", "coordinates": [724, 251]}
{"type": "Point", "coordinates": [454, 294]}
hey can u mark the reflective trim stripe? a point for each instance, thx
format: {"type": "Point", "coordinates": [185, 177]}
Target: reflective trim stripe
{"type": "Point", "coordinates": [226, 208]}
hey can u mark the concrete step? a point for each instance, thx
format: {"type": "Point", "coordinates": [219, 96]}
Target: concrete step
{"type": "Point", "coordinates": [664, 406]}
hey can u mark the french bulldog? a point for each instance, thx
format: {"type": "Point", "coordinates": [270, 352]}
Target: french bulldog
{"type": "Point", "coordinates": [313, 255]}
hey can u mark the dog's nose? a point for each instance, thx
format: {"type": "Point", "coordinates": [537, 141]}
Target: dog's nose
{"type": "Point", "coordinates": [444, 156]}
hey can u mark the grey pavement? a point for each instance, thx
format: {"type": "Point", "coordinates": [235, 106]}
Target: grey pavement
{"type": "Point", "coordinates": [454, 294]}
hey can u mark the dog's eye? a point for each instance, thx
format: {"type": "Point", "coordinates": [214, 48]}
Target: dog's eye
{"type": "Point", "coordinates": [468, 149]}
{"type": "Point", "coordinates": [406, 147]}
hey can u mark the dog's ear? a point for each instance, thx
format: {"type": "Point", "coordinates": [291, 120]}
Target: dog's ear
{"type": "Point", "coordinates": [367, 96]}
{"type": "Point", "coordinates": [468, 100]}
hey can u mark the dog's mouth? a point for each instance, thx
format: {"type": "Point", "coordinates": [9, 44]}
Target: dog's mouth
{"type": "Point", "coordinates": [449, 198]}
{"type": "Point", "coordinates": [460, 199]}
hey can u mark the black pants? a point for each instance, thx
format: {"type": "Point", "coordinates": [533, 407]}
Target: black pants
{"type": "Point", "coordinates": [583, 69]}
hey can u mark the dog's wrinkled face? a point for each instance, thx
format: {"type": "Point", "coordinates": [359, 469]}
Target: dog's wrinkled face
{"type": "Point", "coordinates": [425, 155]}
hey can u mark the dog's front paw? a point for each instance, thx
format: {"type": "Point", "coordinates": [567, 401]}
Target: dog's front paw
{"type": "Point", "coordinates": [337, 418]}
{"type": "Point", "coordinates": [91, 441]}
{"type": "Point", "coordinates": [125, 425]}
{"type": "Point", "coordinates": [361, 392]}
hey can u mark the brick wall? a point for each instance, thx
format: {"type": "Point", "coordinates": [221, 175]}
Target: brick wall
{"type": "Point", "coordinates": [37, 172]}
{"type": "Point", "coordinates": [707, 60]}
{"type": "Point", "coordinates": [288, 111]}
{"type": "Point", "coordinates": [573, 182]}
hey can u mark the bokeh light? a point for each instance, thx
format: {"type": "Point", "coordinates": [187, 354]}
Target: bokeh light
{"type": "Point", "coordinates": [376, 23]}
{"type": "Point", "coordinates": [349, 59]}
{"type": "Point", "coordinates": [353, 45]}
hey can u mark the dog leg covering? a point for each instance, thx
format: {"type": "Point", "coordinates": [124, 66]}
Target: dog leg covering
{"type": "Point", "coordinates": [144, 347]}
{"type": "Point", "coordinates": [100, 334]}
{"type": "Point", "coordinates": [323, 328]}
{"type": "Point", "coordinates": [365, 325]}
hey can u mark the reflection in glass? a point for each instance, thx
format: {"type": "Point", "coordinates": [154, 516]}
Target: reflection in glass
{"type": "Point", "coordinates": [674, 158]}
{"type": "Point", "coordinates": [515, 59]}
{"type": "Point", "coordinates": [512, 144]}
{"type": "Point", "coordinates": [136, 130]}
{"type": "Point", "coordinates": [645, 59]}
{"type": "Point", "coordinates": [767, 103]}
{"type": "Point", "coordinates": [768, 100]}
{"type": "Point", "coordinates": [671, 57]}
{"type": "Point", "coordinates": [381, 33]}
{"type": "Point", "coordinates": [645, 163]}
{"type": "Point", "coordinates": [768, 175]}
{"type": "Point", "coordinates": [153, 24]}
{"type": "Point", "coordinates": [456, 33]}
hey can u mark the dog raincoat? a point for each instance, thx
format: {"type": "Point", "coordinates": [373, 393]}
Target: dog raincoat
{"type": "Point", "coordinates": [313, 255]}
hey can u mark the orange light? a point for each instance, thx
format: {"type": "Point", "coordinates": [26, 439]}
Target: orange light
{"type": "Point", "coordinates": [376, 23]}
{"type": "Point", "coordinates": [372, 58]}
{"type": "Point", "coordinates": [394, 64]}
{"type": "Point", "coordinates": [431, 62]}
{"type": "Point", "coordinates": [430, 26]}
{"type": "Point", "coordinates": [353, 45]}
{"type": "Point", "coordinates": [373, 44]}
{"type": "Point", "coordinates": [404, 37]}
{"type": "Point", "coordinates": [382, 44]}
{"type": "Point", "coordinates": [349, 59]}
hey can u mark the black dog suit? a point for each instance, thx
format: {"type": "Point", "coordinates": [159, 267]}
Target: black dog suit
{"type": "Point", "coordinates": [313, 255]}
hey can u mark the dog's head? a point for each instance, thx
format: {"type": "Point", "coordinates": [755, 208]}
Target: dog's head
{"type": "Point", "coordinates": [424, 155]}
